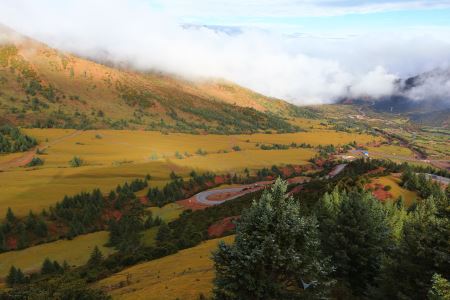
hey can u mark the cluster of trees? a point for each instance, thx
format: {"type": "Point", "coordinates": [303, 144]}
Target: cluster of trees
{"type": "Point", "coordinates": [12, 140]}
{"type": "Point", "coordinates": [82, 213]}
{"type": "Point", "coordinates": [177, 188]}
{"type": "Point", "coordinates": [283, 146]}
{"type": "Point", "coordinates": [55, 281]}
{"type": "Point", "coordinates": [349, 246]}
{"type": "Point", "coordinates": [125, 233]}
{"type": "Point", "coordinates": [424, 186]}
{"type": "Point", "coordinates": [21, 231]}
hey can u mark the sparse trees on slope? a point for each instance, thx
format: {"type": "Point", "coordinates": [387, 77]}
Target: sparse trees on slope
{"type": "Point", "coordinates": [276, 252]}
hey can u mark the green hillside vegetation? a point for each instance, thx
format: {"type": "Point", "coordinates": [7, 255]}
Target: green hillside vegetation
{"type": "Point", "coordinates": [46, 88]}
{"type": "Point", "coordinates": [13, 140]}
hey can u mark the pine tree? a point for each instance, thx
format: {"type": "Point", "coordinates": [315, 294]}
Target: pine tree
{"type": "Point", "coordinates": [96, 257]}
{"type": "Point", "coordinates": [276, 253]}
{"type": "Point", "coordinates": [356, 235]}
{"type": "Point", "coordinates": [10, 217]}
{"type": "Point", "coordinates": [422, 252]}
{"type": "Point", "coordinates": [12, 275]}
{"type": "Point", "coordinates": [163, 233]}
{"type": "Point", "coordinates": [47, 267]}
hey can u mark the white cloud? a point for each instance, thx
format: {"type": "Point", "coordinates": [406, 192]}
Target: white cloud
{"type": "Point", "coordinates": [376, 83]}
{"type": "Point", "coordinates": [302, 70]}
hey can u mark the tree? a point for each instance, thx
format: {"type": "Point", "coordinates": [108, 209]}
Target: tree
{"type": "Point", "coordinates": [423, 251]}
{"type": "Point", "coordinates": [10, 217]}
{"type": "Point", "coordinates": [96, 257]}
{"type": "Point", "coordinates": [163, 234]}
{"type": "Point", "coordinates": [11, 278]}
{"type": "Point", "coordinates": [276, 253]}
{"type": "Point", "coordinates": [440, 290]}
{"type": "Point", "coordinates": [15, 276]}
{"type": "Point", "coordinates": [355, 233]}
{"type": "Point", "coordinates": [47, 267]}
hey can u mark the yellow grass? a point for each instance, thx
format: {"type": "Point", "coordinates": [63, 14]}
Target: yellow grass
{"type": "Point", "coordinates": [313, 137]}
{"type": "Point", "coordinates": [121, 155]}
{"type": "Point", "coordinates": [393, 150]}
{"type": "Point", "coordinates": [168, 212]}
{"type": "Point", "coordinates": [75, 252]}
{"type": "Point", "coordinates": [183, 275]}
{"type": "Point", "coordinates": [396, 190]}
{"type": "Point", "coordinates": [23, 190]}
{"type": "Point", "coordinates": [252, 159]}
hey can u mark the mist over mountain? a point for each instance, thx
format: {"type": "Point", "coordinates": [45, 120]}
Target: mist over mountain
{"type": "Point", "coordinates": [306, 68]}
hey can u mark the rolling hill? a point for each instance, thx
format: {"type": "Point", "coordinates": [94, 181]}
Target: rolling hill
{"type": "Point", "coordinates": [43, 87]}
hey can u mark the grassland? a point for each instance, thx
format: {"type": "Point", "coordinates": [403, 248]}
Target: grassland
{"type": "Point", "coordinates": [396, 190]}
{"type": "Point", "coordinates": [392, 150]}
{"type": "Point", "coordinates": [75, 252]}
{"type": "Point", "coordinates": [113, 157]}
{"type": "Point", "coordinates": [167, 213]}
{"type": "Point", "coordinates": [182, 276]}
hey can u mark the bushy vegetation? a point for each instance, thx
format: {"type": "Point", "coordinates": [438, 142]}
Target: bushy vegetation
{"type": "Point", "coordinates": [12, 140]}
{"type": "Point", "coordinates": [35, 161]}
{"type": "Point", "coordinates": [76, 162]}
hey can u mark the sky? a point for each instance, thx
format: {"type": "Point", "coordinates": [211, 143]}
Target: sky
{"type": "Point", "coordinates": [303, 51]}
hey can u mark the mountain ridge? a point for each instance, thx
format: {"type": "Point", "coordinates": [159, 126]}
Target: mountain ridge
{"type": "Point", "coordinates": [44, 87]}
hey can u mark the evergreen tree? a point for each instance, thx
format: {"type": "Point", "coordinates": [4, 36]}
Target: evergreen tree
{"type": "Point", "coordinates": [12, 275]}
{"type": "Point", "coordinates": [422, 252]}
{"type": "Point", "coordinates": [355, 233]}
{"type": "Point", "coordinates": [10, 217]}
{"type": "Point", "coordinates": [276, 253]}
{"type": "Point", "coordinates": [96, 257]}
{"type": "Point", "coordinates": [15, 276]}
{"type": "Point", "coordinates": [47, 267]}
{"type": "Point", "coordinates": [163, 234]}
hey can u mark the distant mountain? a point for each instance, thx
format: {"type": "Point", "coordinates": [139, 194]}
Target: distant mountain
{"type": "Point", "coordinates": [43, 87]}
{"type": "Point", "coordinates": [425, 98]}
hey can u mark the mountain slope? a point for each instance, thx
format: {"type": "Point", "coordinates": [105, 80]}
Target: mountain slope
{"type": "Point", "coordinates": [43, 87]}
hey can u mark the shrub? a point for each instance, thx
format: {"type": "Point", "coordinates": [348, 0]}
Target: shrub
{"type": "Point", "coordinates": [76, 162]}
{"type": "Point", "coordinates": [36, 161]}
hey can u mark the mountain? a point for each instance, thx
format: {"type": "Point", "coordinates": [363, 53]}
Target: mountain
{"type": "Point", "coordinates": [424, 98]}
{"type": "Point", "coordinates": [44, 87]}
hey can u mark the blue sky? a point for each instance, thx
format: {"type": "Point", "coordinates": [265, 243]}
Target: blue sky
{"type": "Point", "coordinates": [312, 16]}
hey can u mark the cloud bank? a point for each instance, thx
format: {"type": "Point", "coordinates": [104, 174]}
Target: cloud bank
{"type": "Point", "coordinates": [302, 70]}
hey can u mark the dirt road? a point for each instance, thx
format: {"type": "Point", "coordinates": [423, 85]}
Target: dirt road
{"type": "Point", "coordinates": [28, 156]}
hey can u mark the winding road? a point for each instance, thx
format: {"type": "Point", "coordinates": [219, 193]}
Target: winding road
{"type": "Point", "coordinates": [227, 193]}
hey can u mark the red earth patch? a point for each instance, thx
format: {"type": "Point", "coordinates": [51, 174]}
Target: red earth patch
{"type": "Point", "coordinates": [219, 228]}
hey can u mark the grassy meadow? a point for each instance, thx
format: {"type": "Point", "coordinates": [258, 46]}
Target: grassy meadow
{"type": "Point", "coordinates": [75, 252]}
{"type": "Point", "coordinates": [112, 157]}
{"type": "Point", "coordinates": [396, 190]}
{"type": "Point", "coordinates": [183, 276]}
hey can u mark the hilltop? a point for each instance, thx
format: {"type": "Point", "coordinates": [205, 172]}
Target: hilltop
{"type": "Point", "coordinates": [44, 87]}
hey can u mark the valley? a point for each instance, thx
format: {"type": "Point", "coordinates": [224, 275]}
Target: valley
{"type": "Point", "coordinates": [118, 182]}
